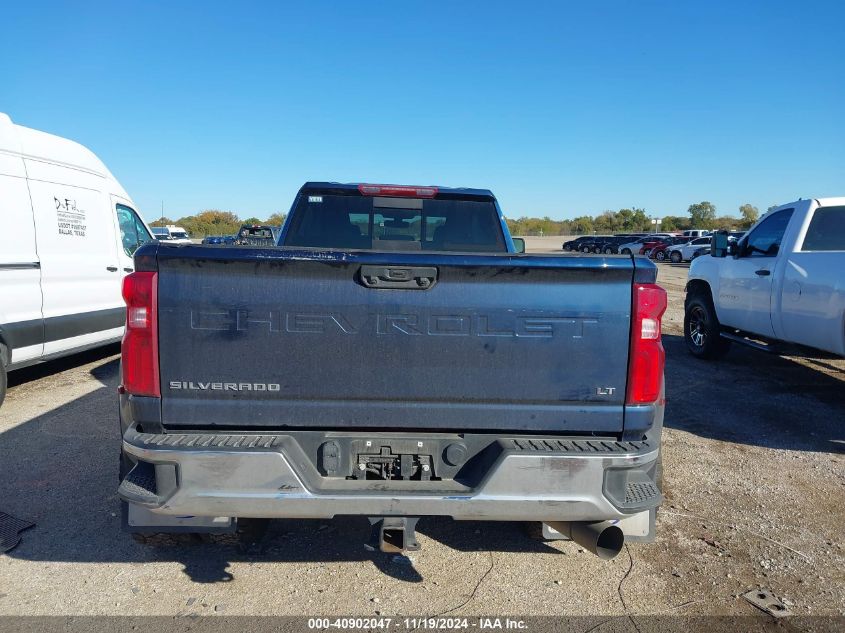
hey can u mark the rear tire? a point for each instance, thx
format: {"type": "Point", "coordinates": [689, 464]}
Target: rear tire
{"type": "Point", "coordinates": [675, 257]}
{"type": "Point", "coordinates": [626, 251]}
{"type": "Point", "coordinates": [660, 256]}
{"type": "Point", "coordinates": [701, 328]}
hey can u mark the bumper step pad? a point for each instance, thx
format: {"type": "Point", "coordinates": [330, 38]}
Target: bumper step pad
{"type": "Point", "coordinates": [139, 486]}
{"type": "Point", "coordinates": [641, 493]}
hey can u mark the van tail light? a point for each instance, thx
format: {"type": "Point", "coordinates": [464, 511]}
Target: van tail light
{"type": "Point", "coordinates": [647, 357]}
{"type": "Point", "coordinates": [139, 351]}
{"type": "Point", "coordinates": [397, 191]}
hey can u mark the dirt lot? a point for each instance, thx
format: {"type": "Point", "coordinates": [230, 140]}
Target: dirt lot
{"type": "Point", "coordinates": [755, 476]}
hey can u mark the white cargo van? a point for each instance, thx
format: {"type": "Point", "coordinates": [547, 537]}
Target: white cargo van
{"type": "Point", "coordinates": [171, 234]}
{"type": "Point", "coordinates": [67, 234]}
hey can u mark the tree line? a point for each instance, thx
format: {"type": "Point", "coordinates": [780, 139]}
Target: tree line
{"type": "Point", "coordinates": [216, 222]}
{"type": "Point", "coordinates": [701, 215]}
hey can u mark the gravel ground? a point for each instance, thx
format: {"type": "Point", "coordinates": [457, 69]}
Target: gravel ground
{"type": "Point", "coordinates": [755, 480]}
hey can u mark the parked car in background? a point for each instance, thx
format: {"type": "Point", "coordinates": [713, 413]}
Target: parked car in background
{"type": "Point", "coordinates": [257, 235]}
{"type": "Point", "coordinates": [226, 240]}
{"type": "Point", "coordinates": [660, 251]}
{"type": "Point", "coordinates": [611, 245]}
{"type": "Point", "coordinates": [68, 232]}
{"type": "Point", "coordinates": [593, 245]}
{"type": "Point", "coordinates": [784, 280]}
{"type": "Point", "coordinates": [172, 234]}
{"type": "Point", "coordinates": [696, 233]}
{"type": "Point", "coordinates": [649, 245]}
{"type": "Point", "coordinates": [683, 252]}
{"type": "Point", "coordinates": [573, 245]}
{"type": "Point", "coordinates": [635, 245]}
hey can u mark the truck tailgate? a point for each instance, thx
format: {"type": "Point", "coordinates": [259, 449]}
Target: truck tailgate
{"type": "Point", "coordinates": [287, 338]}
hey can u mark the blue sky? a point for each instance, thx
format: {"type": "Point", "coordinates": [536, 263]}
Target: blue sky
{"type": "Point", "coordinates": [561, 108]}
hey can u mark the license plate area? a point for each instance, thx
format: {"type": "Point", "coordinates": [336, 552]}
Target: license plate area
{"type": "Point", "coordinates": [387, 457]}
{"type": "Point", "coordinates": [394, 460]}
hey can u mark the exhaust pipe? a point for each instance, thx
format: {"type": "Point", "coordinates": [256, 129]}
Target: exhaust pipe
{"type": "Point", "coordinates": [602, 538]}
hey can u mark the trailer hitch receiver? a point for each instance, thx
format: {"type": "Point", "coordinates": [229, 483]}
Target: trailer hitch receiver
{"type": "Point", "coordinates": [395, 535]}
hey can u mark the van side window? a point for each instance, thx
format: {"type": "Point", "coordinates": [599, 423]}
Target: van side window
{"type": "Point", "coordinates": [133, 233]}
{"type": "Point", "coordinates": [826, 231]}
{"type": "Point", "coordinates": [765, 239]}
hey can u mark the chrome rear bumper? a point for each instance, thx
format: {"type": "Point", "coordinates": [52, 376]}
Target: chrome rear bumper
{"type": "Point", "coordinates": [262, 476]}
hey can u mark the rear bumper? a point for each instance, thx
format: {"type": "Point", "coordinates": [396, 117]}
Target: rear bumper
{"type": "Point", "coordinates": [269, 476]}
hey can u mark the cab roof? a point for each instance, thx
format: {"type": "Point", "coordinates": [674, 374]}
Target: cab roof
{"type": "Point", "coordinates": [355, 188]}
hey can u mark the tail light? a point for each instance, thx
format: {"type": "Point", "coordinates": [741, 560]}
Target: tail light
{"type": "Point", "coordinates": [139, 351]}
{"type": "Point", "coordinates": [397, 191]}
{"type": "Point", "coordinates": [647, 358]}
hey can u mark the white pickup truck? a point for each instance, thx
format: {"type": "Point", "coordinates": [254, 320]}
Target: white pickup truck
{"type": "Point", "coordinates": [783, 281]}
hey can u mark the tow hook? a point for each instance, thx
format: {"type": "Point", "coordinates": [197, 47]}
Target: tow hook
{"type": "Point", "coordinates": [394, 534]}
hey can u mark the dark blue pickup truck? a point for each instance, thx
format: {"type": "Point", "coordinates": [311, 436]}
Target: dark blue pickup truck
{"type": "Point", "coordinates": [393, 357]}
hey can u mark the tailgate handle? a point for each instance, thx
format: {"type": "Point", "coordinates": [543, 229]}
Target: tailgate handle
{"type": "Point", "coordinates": [399, 277]}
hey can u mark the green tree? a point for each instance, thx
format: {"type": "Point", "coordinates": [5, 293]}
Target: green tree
{"type": "Point", "coordinates": [606, 222]}
{"type": "Point", "coordinates": [161, 222]}
{"type": "Point", "coordinates": [626, 219]}
{"type": "Point", "coordinates": [277, 219]}
{"type": "Point", "coordinates": [749, 213]}
{"type": "Point", "coordinates": [702, 214]}
{"type": "Point", "coordinates": [210, 222]}
{"type": "Point", "coordinates": [640, 220]}
{"type": "Point", "coordinates": [582, 225]}
{"type": "Point", "coordinates": [675, 223]}
{"type": "Point", "coordinates": [252, 220]}
{"type": "Point", "coordinates": [726, 223]}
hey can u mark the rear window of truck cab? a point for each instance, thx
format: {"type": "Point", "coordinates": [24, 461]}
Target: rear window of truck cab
{"type": "Point", "coordinates": [384, 223]}
{"type": "Point", "coordinates": [257, 231]}
{"type": "Point", "coordinates": [826, 231]}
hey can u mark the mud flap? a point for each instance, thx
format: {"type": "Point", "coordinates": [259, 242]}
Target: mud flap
{"type": "Point", "coordinates": [140, 520]}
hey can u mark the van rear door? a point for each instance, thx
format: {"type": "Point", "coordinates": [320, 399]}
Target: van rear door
{"type": "Point", "coordinates": [80, 269]}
